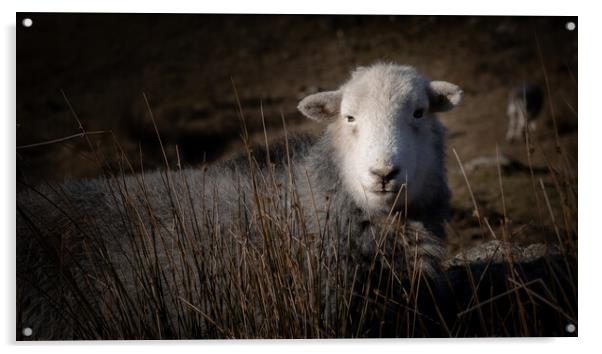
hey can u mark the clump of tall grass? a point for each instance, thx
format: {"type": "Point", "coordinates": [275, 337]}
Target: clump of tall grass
{"type": "Point", "coordinates": [266, 273]}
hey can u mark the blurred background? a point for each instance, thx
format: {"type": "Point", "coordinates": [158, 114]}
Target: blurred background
{"type": "Point", "coordinates": [191, 66]}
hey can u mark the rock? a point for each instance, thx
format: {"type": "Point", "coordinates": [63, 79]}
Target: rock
{"type": "Point", "coordinates": [507, 164]}
{"type": "Point", "coordinates": [491, 279]}
{"type": "Point", "coordinates": [487, 161]}
{"type": "Point", "coordinates": [496, 251]}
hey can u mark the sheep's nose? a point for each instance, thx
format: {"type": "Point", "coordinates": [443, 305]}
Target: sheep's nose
{"type": "Point", "coordinates": [385, 173]}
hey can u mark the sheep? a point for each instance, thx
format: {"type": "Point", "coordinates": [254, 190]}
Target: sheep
{"type": "Point", "coordinates": [524, 104]}
{"type": "Point", "coordinates": [370, 190]}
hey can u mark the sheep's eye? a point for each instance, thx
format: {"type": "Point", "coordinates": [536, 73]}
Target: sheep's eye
{"type": "Point", "coordinates": [418, 113]}
{"type": "Point", "coordinates": [350, 119]}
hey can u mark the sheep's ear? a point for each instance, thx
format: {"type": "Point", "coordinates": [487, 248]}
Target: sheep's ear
{"type": "Point", "coordinates": [444, 96]}
{"type": "Point", "coordinates": [321, 106]}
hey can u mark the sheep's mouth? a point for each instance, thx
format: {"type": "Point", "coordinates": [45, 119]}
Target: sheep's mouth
{"type": "Point", "coordinates": [384, 192]}
{"type": "Point", "coordinates": [389, 190]}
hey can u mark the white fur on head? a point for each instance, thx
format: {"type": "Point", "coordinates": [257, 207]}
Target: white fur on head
{"type": "Point", "coordinates": [384, 131]}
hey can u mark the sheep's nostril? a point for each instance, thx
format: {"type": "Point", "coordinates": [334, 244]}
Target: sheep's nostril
{"type": "Point", "coordinates": [394, 172]}
{"type": "Point", "coordinates": [385, 173]}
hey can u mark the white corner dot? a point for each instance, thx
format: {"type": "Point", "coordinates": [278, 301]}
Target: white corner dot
{"type": "Point", "coordinates": [570, 25]}
{"type": "Point", "coordinates": [27, 331]}
{"type": "Point", "coordinates": [27, 22]}
{"type": "Point", "coordinates": [570, 328]}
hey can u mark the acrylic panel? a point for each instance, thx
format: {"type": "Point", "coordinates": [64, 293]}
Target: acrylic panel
{"type": "Point", "coordinates": [223, 176]}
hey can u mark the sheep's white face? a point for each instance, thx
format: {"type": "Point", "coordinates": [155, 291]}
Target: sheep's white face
{"type": "Point", "coordinates": [384, 131]}
{"type": "Point", "coordinates": [383, 138]}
